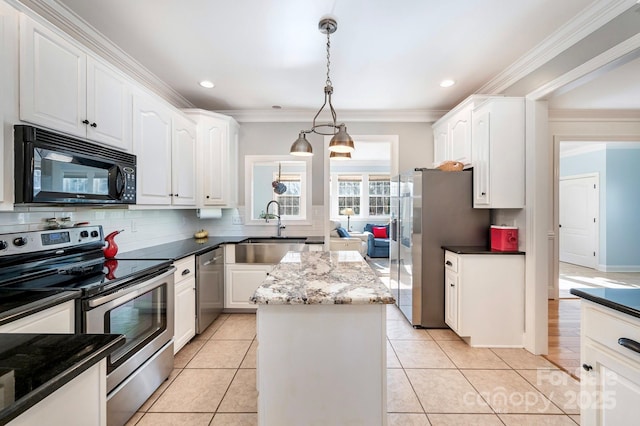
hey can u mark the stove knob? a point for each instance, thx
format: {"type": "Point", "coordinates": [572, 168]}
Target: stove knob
{"type": "Point", "coordinates": [94, 234]}
{"type": "Point", "coordinates": [20, 241]}
{"type": "Point", "coordinates": [84, 234]}
{"type": "Point", "coordinates": [3, 245]}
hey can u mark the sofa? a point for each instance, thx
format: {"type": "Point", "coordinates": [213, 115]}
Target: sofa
{"type": "Point", "coordinates": [377, 240]}
{"type": "Point", "coordinates": [339, 239]}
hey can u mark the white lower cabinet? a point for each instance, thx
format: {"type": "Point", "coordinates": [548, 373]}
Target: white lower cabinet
{"type": "Point", "coordinates": [56, 319]}
{"type": "Point", "coordinates": [484, 298]}
{"type": "Point", "coordinates": [241, 280]}
{"type": "Point", "coordinates": [185, 302]}
{"type": "Point", "coordinates": [610, 380]}
{"type": "Point", "coordinates": [82, 401]}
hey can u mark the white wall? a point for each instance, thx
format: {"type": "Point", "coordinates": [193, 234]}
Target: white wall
{"type": "Point", "coordinates": [144, 228]}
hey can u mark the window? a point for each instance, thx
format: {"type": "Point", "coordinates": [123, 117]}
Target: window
{"type": "Point", "coordinates": [379, 195]}
{"type": "Point", "coordinates": [290, 199]}
{"type": "Point", "coordinates": [349, 193]}
{"type": "Point", "coordinates": [368, 194]}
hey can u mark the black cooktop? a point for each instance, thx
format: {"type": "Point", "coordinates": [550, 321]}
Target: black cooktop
{"type": "Point", "coordinates": [90, 274]}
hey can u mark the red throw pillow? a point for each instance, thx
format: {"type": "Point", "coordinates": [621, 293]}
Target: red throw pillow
{"type": "Point", "coordinates": [380, 232]}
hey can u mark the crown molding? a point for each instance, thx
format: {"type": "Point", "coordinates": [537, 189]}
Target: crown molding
{"type": "Point", "coordinates": [70, 23]}
{"type": "Point", "coordinates": [591, 115]}
{"type": "Point", "coordinates": [306, 115]}
{"type": "Point", "coordinates": [590, 19]}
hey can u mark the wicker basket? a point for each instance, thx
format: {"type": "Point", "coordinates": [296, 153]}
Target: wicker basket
{"type": "Point", "coordinates": [451, 166]}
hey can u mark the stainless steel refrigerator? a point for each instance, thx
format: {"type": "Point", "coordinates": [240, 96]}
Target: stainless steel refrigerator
{"type": "Point", "coordinates": [429, 208]}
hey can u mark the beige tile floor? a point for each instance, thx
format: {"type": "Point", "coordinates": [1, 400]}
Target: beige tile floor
{"type": "Point", "coordinates": [433, 378]}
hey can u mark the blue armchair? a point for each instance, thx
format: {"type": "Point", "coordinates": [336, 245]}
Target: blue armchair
{"type": "Point", "coordinates": [376, 247]}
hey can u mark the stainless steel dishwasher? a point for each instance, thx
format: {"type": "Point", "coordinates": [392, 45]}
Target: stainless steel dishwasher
{"type": "Point", "coordinates": [209, 287]}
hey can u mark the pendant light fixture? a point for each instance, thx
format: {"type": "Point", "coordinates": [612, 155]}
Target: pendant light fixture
{"type": "Point", "coordinates": [341, 141]}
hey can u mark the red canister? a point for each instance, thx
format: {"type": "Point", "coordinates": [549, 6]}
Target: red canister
{"type": "Point", "coordinates": [504, 238]}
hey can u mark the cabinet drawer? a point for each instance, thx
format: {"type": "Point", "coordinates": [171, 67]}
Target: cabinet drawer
{"type": "Point", "coordinates": [185, 268]}
{"type": "Point", "coordinates": [605, 326]}
{"type": "Point", "coordinates": [451, 261]}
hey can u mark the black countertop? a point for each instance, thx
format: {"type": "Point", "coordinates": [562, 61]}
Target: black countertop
{"type": "Point", "coordinates": [625, 300]}
{"type": "Point", "coordinates": [15, 304]}
{"type": "Point", "coordinates": [477, 250]}
{"type": "Point", "coordinates": [42, 363]}
{"type": "Point", "coordinates": [183, 248]}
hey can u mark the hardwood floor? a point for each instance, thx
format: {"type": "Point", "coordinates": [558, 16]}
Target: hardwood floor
{"type": "Point", "coordinates": [564, 335]}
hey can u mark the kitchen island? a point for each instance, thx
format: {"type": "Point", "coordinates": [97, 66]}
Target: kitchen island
{"type": "Point", "coordinates": [321, 331]}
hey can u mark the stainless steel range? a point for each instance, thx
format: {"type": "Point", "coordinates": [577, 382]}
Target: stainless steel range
{"type": "Point", "coordinates": [129, 297]}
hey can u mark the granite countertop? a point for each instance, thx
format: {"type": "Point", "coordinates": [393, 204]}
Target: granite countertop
{"type": "Point", "coordinates": [15, 304]}
{"type": "Point", "coordinates": [625, 300]}
{"type": "Point", "coordinates": [39, 364]}
{"type": "Point", "coordinates": [336, 277]}
{"type": "Point", "coordinates": [477, 250]}
{"type": "Point", "coordinates": [191, 246]}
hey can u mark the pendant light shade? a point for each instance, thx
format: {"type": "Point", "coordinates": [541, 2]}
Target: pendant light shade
{"type": "Point", "coordinates": [341, 141]}
{"type": "Point", "coordinates": [301, 147]}
{"type": "Point", "coordinates": [340, 156]}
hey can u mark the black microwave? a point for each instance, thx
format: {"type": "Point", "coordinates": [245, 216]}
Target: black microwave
{"type": "Point", "coordinates": [52, 168]}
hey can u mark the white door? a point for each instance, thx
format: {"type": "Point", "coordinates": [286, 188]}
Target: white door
{"type": "Point", "coordinates": [579, 207]}
{"type": "Point", "coordinates": [108, 106]}
{"type": "Point", "coordinates": [183, 163]}
{"type": "Point", "coordinates": [152, 145]}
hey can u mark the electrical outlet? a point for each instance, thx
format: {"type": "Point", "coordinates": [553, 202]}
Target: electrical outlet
{"type": "Point", "coordinates": [134, 226]}
{"type": "Point", "coordinates": [236, 220]}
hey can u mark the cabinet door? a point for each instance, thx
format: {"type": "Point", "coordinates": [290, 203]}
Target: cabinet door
{"type": "Point", "coordinates": [8, 99]}
{"type": "Point", "coordinates": [610, 391]}
{"type": "Point", "coordinates": [451, 299]}
{"type": "Point", "coordinates": [57, 319]}
{"type": "Point", "coordinates": [460, 136]}
{"type": "Point", "coordinates": [480, 157]}
{"type": "Point", "coordinates": [185, 313]}
{"type": "Point", "coordinates": [52, 80]}
{"type": "Point", "coordinates": [108, 106]}
{"type": "Point", "coordinates": [241, 281]}
{"type": "Point", "coordinates": [183, 162]}
{"type": "Point", "coordinates": [215, 168]}
{"type": "Point", "coordinates": [152, 145]}
{"type": "Point", "coordinates": [441, 144]}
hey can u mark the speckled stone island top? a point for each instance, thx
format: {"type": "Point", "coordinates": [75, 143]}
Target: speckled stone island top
{"type": "Point", "coordinates": [322, 277]}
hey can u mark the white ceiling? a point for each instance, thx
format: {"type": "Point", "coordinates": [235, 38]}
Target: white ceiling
{"type": "Point", "coordinates": [618, 88]}
{"type": "Point", "coordinates": [385, 55]}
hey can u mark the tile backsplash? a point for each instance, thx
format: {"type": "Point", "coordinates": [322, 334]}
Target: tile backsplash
{"type": "Point", "coordinates": [144, 228]}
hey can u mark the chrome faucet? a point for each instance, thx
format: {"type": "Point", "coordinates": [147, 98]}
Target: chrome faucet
{"type": "Point", "coordinates": [266, 217]}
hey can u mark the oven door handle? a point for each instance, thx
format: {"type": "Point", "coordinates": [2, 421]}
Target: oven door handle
{"type": "Point", "coordinates": [133, 291]}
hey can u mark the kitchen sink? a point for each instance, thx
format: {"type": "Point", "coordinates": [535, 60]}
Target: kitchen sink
{"type": "Point", "coordinates": [274, 240]}
{"type": "Point", "coordinates": [267, 250]}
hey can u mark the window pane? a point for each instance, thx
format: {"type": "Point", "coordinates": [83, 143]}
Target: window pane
{"type": "Point", "coordinates": [379, 196]}
{"type": "Point", "coordinates": [349, 190]}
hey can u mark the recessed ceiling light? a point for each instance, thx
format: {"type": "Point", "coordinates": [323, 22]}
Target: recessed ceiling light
{"type": "Point", "coordinates": [447, 83]}
{"type": "Point", "coordinates": [207, 84]}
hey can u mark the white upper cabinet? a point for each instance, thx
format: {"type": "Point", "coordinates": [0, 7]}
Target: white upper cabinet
{"type": "Point", "coordinates": [183, 161]}
{"type": "Point", "coordinates": [164, 142]}
{"type": "Point", "coordinates": [63, 88]}
{"type": "Point", "coordinates": [498, 153]}
{"type": "Point", "coordinates": [152, 146]}
{"type": "Point", "coordinates": [8, 98]}
{"type": "Point", "coordinates": [108, 106]}
{"type": "Point", "coordinates": [217, 158]}
{"type": "Point", "coordinates": [452, 133]}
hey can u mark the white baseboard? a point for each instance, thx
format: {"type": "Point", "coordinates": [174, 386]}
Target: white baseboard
{"type": "Point", "coordinates": [619, 268]}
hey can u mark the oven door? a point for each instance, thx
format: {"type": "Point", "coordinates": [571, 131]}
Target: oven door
{"type": "Point", "coordinates": [143, 312]}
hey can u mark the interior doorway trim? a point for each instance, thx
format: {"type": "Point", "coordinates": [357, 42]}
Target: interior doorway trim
{"type": "Point", "coordinates": [554, 235]}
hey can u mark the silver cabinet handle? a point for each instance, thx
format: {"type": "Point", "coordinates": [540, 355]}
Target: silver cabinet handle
{"type": "Point", "coordinates": [448, 263]}
{"type": "Point", "coordinates": [186, 272]}
{"type": "Point", "coordinates": [629, 344]}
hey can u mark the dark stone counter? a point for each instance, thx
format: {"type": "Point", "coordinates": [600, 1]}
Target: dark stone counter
{"type": "Point", "coordinates": [43, 363]}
